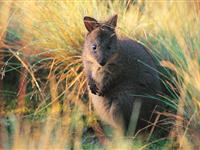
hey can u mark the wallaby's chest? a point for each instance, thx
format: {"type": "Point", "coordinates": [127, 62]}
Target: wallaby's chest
{"type": "Point", "coordinates": [98, 73]}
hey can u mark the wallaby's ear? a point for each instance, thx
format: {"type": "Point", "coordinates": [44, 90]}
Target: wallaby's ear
{"type": "Point", "coordinates": [90, 23]}
{"type": "Point", "coordinates": [112, 21]}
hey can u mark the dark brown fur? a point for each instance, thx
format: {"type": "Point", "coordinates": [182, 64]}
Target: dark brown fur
{"type": "Point", "coordinates": [118, 71]}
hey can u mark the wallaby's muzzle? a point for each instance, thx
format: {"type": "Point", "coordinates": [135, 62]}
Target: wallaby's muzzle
{"type": "Point", "coordinates": [102, 61]}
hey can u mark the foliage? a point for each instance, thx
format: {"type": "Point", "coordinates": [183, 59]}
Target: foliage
{"type": "Point", "coordinates": [46, 38]}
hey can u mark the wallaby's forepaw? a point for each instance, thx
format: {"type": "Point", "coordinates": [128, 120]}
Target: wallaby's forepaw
{"type": "Point", "coordinates": [93, 88]}
{"type": "Point", "coordinates": [96, 89]}
{"type": "Point", "coordinates": [101, 91]}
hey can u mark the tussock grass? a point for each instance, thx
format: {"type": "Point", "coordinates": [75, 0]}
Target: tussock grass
{"type": "Point", "coordinates": [46, 38]}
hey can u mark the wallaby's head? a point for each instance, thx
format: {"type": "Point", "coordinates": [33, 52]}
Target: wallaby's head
{"type": "Point", "coordinates": [101, 41]}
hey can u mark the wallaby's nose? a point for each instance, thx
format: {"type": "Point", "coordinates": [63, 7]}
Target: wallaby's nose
{"type": "Point", "coordinates": [102, 62]}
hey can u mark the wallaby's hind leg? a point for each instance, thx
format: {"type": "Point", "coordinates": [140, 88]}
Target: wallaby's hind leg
{"type": "Point", "coordinates": [118, 119]}
{"type": "Point", "coordinates": [121, 108]}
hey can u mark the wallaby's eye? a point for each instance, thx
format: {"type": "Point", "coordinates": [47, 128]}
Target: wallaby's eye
{"type": "Point", "coordinates": [94, 47]}
{"type": "Point", "coordinates": [109, 47]}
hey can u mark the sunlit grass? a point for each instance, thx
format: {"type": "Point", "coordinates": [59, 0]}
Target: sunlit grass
{"type": "Point", "coordinates": [49, 38]}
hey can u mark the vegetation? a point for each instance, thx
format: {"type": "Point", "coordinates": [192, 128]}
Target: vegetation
{"type": "Point", "coordinates": [43, 97]}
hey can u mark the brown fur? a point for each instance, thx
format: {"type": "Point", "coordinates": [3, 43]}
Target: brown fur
{"type": "Point", "coordinates": [128, 73]}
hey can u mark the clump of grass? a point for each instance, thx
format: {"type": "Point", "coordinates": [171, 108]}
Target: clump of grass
{"type": "Point", "coordinates": [49, 41]}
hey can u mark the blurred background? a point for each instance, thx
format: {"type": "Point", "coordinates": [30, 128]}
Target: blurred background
{"type": "Point", "coordinates": [43, 96]}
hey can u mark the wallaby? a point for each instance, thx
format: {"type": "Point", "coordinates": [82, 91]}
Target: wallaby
{"type": "Point", "coordinates": [118, 72]}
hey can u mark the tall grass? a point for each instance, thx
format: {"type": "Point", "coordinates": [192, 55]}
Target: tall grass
{"type": "Point", "coordinates": [46, 38]}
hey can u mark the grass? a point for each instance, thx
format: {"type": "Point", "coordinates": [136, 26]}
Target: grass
{"type": "Point", "coordinates": [50, 109]}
